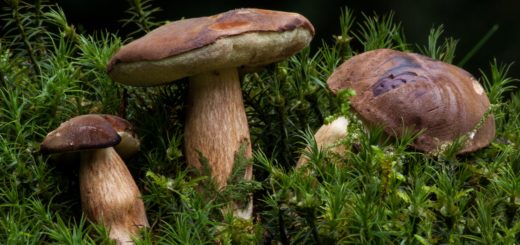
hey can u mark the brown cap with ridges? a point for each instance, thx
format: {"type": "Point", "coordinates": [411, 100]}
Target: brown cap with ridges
{"type": "Point", "coordinates": [80, 133]}
{"type": "Point", "coordinates": [397, 89]}
{"type": "Point", "coordinates": [190, 46]}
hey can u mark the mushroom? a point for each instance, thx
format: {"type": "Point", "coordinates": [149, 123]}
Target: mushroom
{"type": "Point", "coordinates": [211, 51]}
{"type": "Point", "coordinates": [327, 138]}
{"type": "Point", "coordinates": [109, 195]}
{"type": "Point", "coordinates": [129, 144]}
{"type": "Point", "coordinates": [396, 89]}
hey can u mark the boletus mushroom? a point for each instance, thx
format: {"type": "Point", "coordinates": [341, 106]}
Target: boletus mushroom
{"type": "Point", "coordinates": [129, 144]}
{"type": "Point", "coordinates": [399, 90]}
{"type": "Point", "coordinates": [327, 138]}
{"type": "Point", "coordinates": [109, 194]}
{"type": "Point", "coordinates": [211, 51]}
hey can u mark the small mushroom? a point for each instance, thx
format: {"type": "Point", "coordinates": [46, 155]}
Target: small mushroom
{"type": "Point", "coordinates": [396, 89]}
{"type": "Point", "coordinates": [211, 51]}
{"type": "Point", "coordinates": [327, 138]}
{"type": "Point", "coordinates": [109, 195]}
{"type": "Point", "coordinates": [129, 144]}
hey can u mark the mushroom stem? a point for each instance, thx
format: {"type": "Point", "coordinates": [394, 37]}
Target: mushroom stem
{"type": "Point", "coordinates": [327, 138]}
{"type": "Point", "coordinates": [109, 195]}
{"type": "Point", "coordinates": [216, 126]}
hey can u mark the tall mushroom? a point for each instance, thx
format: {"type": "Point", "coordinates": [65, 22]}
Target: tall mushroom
{"type": "Point", "coordinates": [396, 89]}
{"type": "Point", "coordinates": [210, 51]}
{"type": "Point", "coordinates": [109, 195]}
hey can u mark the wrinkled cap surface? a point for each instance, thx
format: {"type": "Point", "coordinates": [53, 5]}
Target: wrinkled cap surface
{"type": "Point", "coordinates": [396, 89]}
{"type": "Point", "coordinates": [240, 37]}
{"type": "Point", "coordinates": [83, 132]}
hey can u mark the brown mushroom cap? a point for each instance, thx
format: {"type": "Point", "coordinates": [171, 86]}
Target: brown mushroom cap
{"type": "Point", "coordinates": [397, 89]}
{"type": "Point", "coordinates": [129, 144]}
{"type": "Point", "coordinates": [80, 133]}
{"type": "Point", "coordinates": [237, 38]}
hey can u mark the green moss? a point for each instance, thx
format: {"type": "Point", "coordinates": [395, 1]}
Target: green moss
{"type": "Point", "coordinates": [380, 191]}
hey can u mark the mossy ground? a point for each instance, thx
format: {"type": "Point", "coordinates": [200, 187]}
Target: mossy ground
{"type": "Point", "coordinates": [381, 192]}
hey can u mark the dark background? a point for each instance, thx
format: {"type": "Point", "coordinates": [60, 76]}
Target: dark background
{"type": "Point", "coordinates": [465, 20]}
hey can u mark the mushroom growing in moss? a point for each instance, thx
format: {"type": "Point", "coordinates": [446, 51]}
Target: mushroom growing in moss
{"type": "Point", "coordinates": [109, 195]}
{"type": "Point", "coordinates": [129, 144]}
{"type": "Point", "coordinates": [211, 51]}
{"type": "Point", "coordinates": [396, 89]}
{"type": "Point", "coordinates": [327, 138]}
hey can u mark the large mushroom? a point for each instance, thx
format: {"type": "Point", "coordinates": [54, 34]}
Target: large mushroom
{"type": "Point", "coordinates": [109, 195]}
{"type": "Point", "coordinates": [211, 51]}
{"type": "Point", "coordinates": [400, 90]}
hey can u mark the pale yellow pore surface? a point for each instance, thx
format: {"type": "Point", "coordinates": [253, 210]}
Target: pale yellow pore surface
{"type": "Point", "coordinates": [128, 146]}
{"type": "Point", "coordinates": [245, 50]}
{"type": "Point", "coordinates": [109, 195]}
{"type": "Point", "coordinates": [327, 138]}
